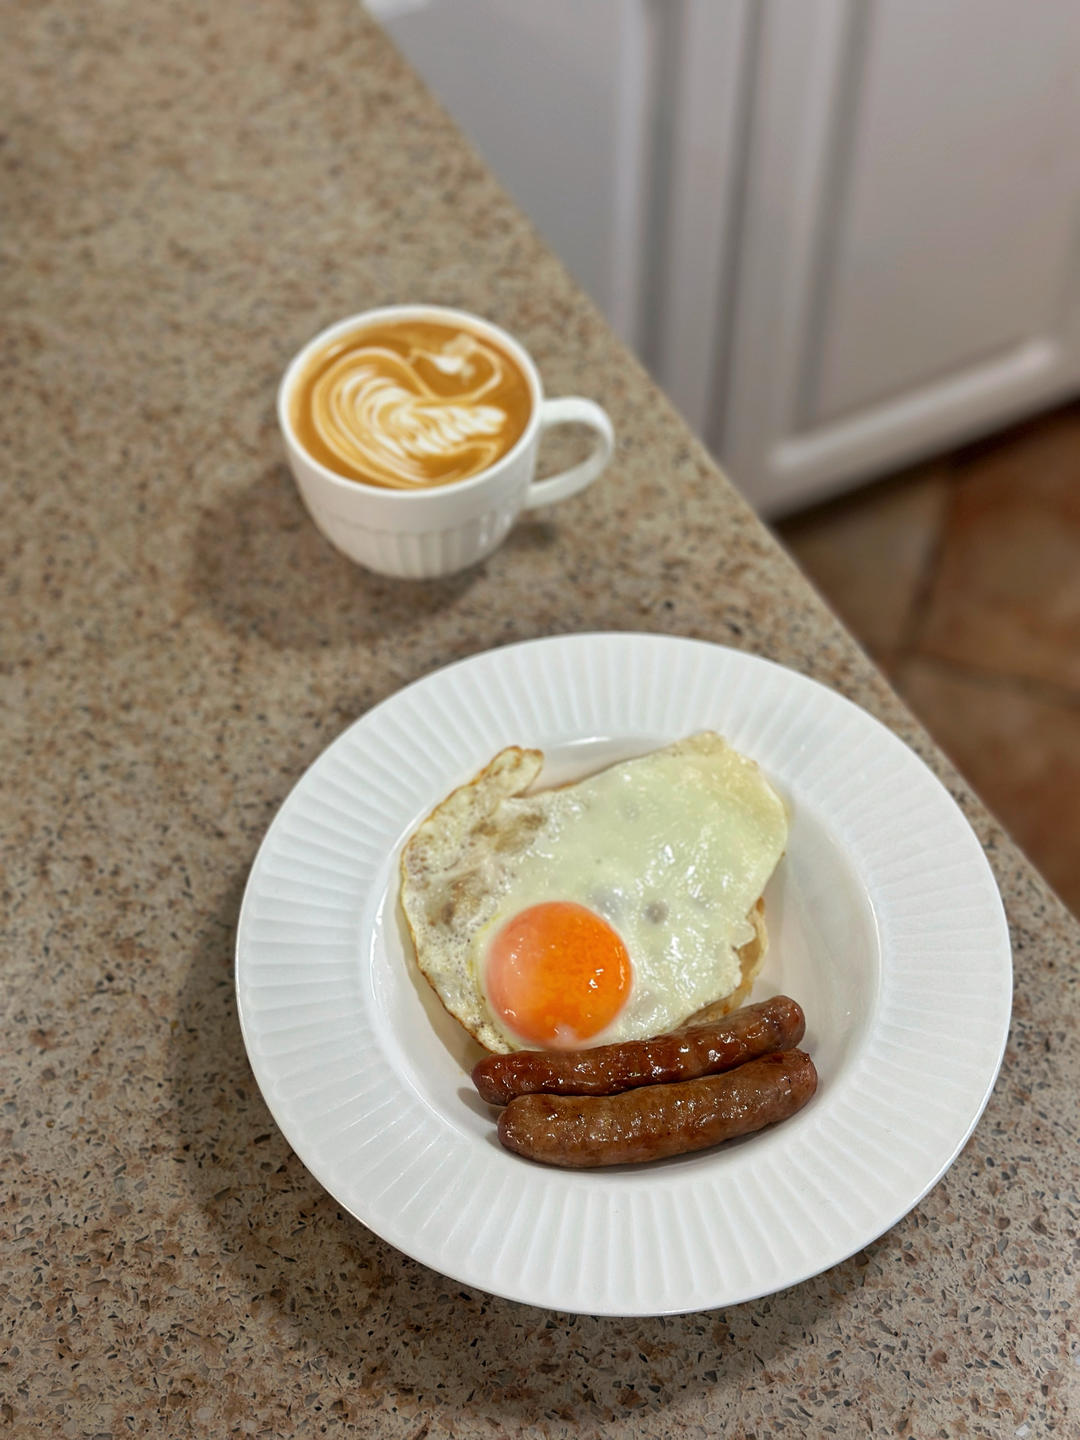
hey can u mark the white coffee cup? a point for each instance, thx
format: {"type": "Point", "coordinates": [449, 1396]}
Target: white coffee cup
{"type": "Point", "coordinates": [419, 534]}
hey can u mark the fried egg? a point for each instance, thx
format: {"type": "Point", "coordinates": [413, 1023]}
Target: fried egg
{"type": "Point", "coordinates": [610, 909]}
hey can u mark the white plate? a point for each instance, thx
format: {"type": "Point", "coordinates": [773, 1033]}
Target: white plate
{"type": "Point", "coordinates": [885, 924]}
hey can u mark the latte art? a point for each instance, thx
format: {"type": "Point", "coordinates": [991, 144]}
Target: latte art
{"type": "Point", "coordinates": [411, 404]}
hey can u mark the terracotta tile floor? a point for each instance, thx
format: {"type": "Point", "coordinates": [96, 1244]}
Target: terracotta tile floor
{"type": "Point", "coordinates": [962, 579]}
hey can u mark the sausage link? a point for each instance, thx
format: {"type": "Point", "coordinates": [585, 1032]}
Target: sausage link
{"type": "Point", "coordinates": [697, 1049]}
{"type": "Point", "coordinates": [659, 1120]}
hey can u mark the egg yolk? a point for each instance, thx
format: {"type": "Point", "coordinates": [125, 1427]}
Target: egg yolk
{"type": "Point", "coordinates": [557, 974]}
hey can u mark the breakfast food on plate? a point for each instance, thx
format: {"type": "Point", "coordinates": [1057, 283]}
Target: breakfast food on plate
{"type": "Point", "coordinates": [656, 1121]}
{"type": "Point", "coordinates": [686, 1054]}
{"type": "Point", "coordinates": [598, 939]}
{"type": "Point", "coordinates": [601, 912]}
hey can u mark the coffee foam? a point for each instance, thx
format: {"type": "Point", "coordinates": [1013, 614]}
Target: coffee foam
{"type": "Point", "coordinates": [410, 404]}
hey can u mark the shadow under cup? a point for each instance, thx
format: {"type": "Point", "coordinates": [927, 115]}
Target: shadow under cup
{"type": "Point", "coordinates": [425, 533]}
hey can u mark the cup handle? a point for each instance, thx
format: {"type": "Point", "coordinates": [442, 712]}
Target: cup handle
{"type": "Point", "coordinates": [565, 410]}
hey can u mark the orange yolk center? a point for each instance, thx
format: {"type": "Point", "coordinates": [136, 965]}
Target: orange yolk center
{"type": "Point", "coordinates": [557, 974]}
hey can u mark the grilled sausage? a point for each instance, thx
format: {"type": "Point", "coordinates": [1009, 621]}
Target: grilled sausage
{"type": "Point", "coordinates": [658, 1120]}
{"type": "Point", "coordinates": [697, 1049]}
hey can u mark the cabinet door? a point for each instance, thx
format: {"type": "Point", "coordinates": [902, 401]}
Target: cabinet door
{"type": "Point", "coordinates": [908, 267]}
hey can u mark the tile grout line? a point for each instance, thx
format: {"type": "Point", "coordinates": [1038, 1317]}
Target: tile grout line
{"type": "Point", "coordinates": [907, 646]}
{"type": "Point", "coordinates": [1047, 692]}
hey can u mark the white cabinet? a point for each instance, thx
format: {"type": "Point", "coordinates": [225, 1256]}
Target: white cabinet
{"type": "Point", "coordinates": [842, 233]}
{"type": "Point", "coordinates": [909, 251]}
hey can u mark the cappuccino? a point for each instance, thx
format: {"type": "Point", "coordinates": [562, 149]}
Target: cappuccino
{"type": "Point", "coordinates": [409, 404]}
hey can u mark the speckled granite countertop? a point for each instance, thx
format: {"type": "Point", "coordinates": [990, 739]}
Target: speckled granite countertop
{"type": "Point", "coordinates": [190, 192]}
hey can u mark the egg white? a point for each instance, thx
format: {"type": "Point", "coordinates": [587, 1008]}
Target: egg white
{"type": "Point", "coordinates": [673, 849]}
